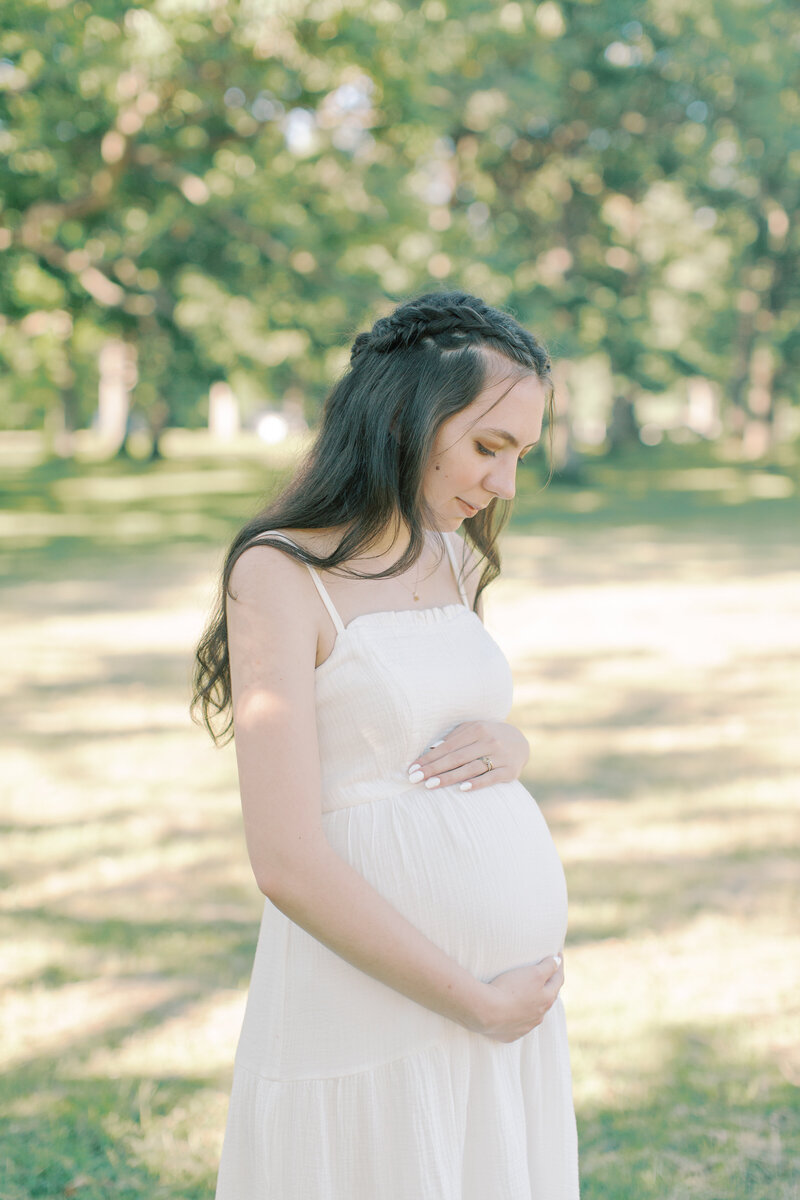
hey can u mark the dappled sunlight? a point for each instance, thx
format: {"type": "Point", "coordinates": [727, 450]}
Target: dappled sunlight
{"type": "Point", "coordinates": [659, 682]}
{"type": "Point", "coordinates": [627, 996]}
{"type": "Point", "coordinates": [126, 489]}
{"type": "Point", "coordinates": [584, 501]}
{"type": "Point", "coordinates": [704, 479]}
{"type": "Point", "coordinates": [46, 1020]}
{"type": "Point", "coordinates": [200, 1040]}
{"type": "Point", "coordinates": [606, 832]}
{"type": "Point", "coordinates": [21, 530]}
{"type": "Point", "coordinates": [121, 507]}
{"type": "Point", "coordinates": [202, 203]}
{"type": "Point", "coordinates": [114, 633]}
{"type": "Point", "coordinates": [734, 486]}
{"type": "Point", "coordinates": [113, 715]}
{"type": "Point", "coordinates": [41, 956]}
{"type": "Point", "coordinates": [124, 883]}
{"type": "Point", "coordinates": [176, 1138]}
{"type": "Point", "coordinates": [40, 527]}
{"type": "Point", "coordinates": [627, 688]}
{"type": "Point", "coordinates": [656, 675]}
{"type": "Point", "coordinates": [191, 444]}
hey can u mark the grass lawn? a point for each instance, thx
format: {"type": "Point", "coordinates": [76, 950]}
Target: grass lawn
{"type": "Point", "coordinates": [651, 617]}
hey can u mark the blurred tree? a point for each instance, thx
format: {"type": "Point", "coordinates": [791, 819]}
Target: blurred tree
{"type": "Point", "coordinates": [236, 188]}
{"type": "Point", "coordinates": [744, 73]}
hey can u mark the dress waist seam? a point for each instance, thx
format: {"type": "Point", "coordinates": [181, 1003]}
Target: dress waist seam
{"type": "Point", "coordinates": [417, 788]}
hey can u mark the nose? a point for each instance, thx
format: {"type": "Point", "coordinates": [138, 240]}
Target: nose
{"type": "Point", "coordinates": [502, 478]}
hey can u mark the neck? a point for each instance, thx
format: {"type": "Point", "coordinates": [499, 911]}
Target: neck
{"type": "Point", "coordinates": [391, 542]}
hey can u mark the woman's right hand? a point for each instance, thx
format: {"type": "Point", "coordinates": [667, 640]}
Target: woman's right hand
{"type": "Point", "coordinates": [522, 997]}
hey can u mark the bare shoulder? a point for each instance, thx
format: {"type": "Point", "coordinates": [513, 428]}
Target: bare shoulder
{"type": "Point", "coordinates": [261, 559]}
{"type": "Point", "coordinates": [263, 568]}
{"type": "Point", "coordinates": [270, 588]}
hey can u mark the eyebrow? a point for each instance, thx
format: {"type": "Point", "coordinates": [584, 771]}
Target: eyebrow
{"type": "Point", "coordinates": [509, 438]}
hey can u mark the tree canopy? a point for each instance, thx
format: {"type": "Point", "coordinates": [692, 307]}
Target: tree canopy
{"type": "Point", "coordinates": [237, 188]}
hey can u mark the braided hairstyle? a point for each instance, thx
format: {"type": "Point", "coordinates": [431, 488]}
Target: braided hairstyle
{"type": "Point", "coordinates": [453, 320]}
{"type": "Point", "coordinates": [414, 369]}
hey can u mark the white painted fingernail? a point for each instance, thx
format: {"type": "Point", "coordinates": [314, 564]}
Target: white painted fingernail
{"type": "Point", "coordinates": [414, 767]}
{"type": "Point", "coordinates": [415, 776]}
{"type": "Point", "coordinates": [439, 743]}
{"type": "Point", "coordinates": [434, 782]}
{"type": "Point", "coordinates": [465, 786]}
{"type": "Point", "coordinates": [557, 958]}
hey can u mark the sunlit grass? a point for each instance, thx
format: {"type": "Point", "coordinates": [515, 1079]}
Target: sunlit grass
{"type": "Point", "coordinates": [656, 649]}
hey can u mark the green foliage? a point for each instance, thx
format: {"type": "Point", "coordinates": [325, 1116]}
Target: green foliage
{"type": "Point", "coordinates": [239, 189]}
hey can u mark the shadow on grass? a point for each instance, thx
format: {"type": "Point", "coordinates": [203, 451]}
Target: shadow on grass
{"type": "Point", "coordinates": [687, 489]}
{"type": "Point", "coordinates": [711, 1124]}
{"type": "Point", "coordinates": [84, 514]}
{"type": "Point", "coordinates": [217, 954]}
{"type": "Point", "coordinates": [79, 1137]}
{"type": "Point", "coordinates": [632, 777]}
{"type": "Point", "coordinates": [697, 727]}
{"type": "Point", "coordinates": [705, 1123]}
{"type": "Point", "coordinates": [665, 895]}
{"type": "Point", "coordinates": [117, 509]}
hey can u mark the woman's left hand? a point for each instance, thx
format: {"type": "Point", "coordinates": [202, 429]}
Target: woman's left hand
{"type": "Point", "coordinates": [461, 757]}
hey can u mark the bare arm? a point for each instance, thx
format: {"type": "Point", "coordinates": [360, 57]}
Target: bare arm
{"type": "Point", "coordinates": [272, 629]}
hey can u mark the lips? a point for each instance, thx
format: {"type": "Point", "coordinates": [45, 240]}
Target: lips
{"type": "Point", "coordinates": [469, 509]}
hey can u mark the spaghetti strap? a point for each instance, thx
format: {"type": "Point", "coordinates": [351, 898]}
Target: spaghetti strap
{"type": "Point", "coordinates": [326, 600]}
{"type": "Point", "coordinates": [318, 584]}
{"type": "Point", "coordinates": [451, 555]}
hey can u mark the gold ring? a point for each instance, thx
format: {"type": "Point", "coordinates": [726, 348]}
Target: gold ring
{"type": "Point", "coordinates": [489, 765]}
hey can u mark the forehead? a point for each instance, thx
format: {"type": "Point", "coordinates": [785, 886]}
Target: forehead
{"type": "Point", "coordinates": [508, 400]}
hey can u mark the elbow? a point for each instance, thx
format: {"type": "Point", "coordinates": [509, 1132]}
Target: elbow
{"type": "Point", "coordinates": [274, 883]}
{"type": "Point", "coordinates": [283, 879]}
{"type": "Point", "coordinates": [267, 883]}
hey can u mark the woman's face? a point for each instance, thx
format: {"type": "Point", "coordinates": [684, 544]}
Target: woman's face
{"type": "Point", "coordinates": [476, 452]}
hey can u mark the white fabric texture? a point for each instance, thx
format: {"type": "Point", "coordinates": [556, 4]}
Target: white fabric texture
{"type": "Point", "coordinates": [343, 1088]}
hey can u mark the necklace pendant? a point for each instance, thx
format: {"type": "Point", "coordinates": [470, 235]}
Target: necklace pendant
{"type": "Point", "coordinates": [416, 597]}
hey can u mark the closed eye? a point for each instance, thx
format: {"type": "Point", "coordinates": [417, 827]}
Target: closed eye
{"type": "Point", "coordinates": [479, 446]}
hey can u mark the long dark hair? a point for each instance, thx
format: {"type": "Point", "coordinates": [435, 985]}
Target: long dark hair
{"type": "Point", "coordinates": [413, 370]}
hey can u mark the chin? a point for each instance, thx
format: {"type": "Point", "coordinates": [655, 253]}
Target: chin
{"type": "Point", "coordinates": [446, 521]}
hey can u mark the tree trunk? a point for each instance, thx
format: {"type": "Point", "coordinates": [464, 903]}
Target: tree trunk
{"type": "Point", "coordinates": [59, 425]}
{"type": "Point", "coordinates": [118, 374]}
{"type": "Point", "coordinates": [740, 370]}
{"type": "Point", "coordinates": [157, 418]}
{"type": "Point", "coordinates": [758, 430]}
{"type": "Point", "coordinates": [223, 411]}
{"type": "Point", "coordinates": [623, 428]}
{"type": "Point", "coordinates": [565, 461]}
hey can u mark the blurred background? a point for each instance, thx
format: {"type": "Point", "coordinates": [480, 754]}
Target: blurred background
{"type": "Point", "coordinates": [201, 203]}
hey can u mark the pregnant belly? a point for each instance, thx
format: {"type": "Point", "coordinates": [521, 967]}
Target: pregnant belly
{"type": "Point", "coordinates": [477, 873]}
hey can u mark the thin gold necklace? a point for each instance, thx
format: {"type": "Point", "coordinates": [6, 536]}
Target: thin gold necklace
{"type": "Point", "coordinates": [415, 590]}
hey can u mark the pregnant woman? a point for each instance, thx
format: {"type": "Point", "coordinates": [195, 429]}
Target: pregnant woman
{"type": "Point", "coordinates": [404, 1037]}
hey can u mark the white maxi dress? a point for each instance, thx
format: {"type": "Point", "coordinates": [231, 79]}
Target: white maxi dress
{"type": "Point", "coordinates": [344, 1089]}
